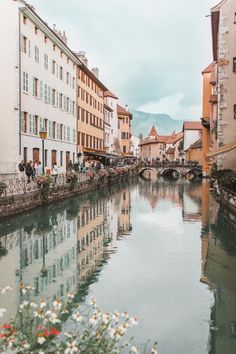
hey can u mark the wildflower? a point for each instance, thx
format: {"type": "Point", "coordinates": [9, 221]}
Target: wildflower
{"type": "Point", "coordinates": [54, 332]}
{"type": "Point", "coordinates": [57, 304]}
{"type": "Point", "coordinates": [70, 296]}
{"type": "Point", "coordinates": [42, 304]}
{"type": "Point", "coordinates": [154, 350]}
{"type": "Point", "coordinates": [4, 290]}
{"type": "Point", "coordinates": [6, 326]}
{"type": "Point", "coordinates": [133, 350]}
{"type": "Point", "coordinates": [93, 320]}
{"type": "Point", "coordinates": [77, 317]}
{"type": "Point", "coordinates": [106, 318]}
{"type": "Point", "coordinates": [2, 311]}
{"type": "Point", "coordinates": [23, 305]}
{"type": "Point", "coordinates": [33, 304]}
{"type": "Point", "coordinates": [71, 348]}
{"type": "Point", "coordinates": [26, 345]}
{"type": "Point", "coordinates": [93, 302]}
{"type": "Point", "coordinates": [41, 339]}
{"type": "Point", "coordinates": [133, 321]}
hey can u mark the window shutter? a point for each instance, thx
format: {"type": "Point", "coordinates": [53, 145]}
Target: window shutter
{"type": "Point", "coordinates": [34, 87]}
{"type": "Point", "coordinates": [41, 89]}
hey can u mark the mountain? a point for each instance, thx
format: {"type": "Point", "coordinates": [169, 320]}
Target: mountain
{"type": "Point", "coordinates": [142, 123]}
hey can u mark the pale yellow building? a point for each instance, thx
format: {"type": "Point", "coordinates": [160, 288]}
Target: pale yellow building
{"type": "Point", "coordinates": [124, 124]}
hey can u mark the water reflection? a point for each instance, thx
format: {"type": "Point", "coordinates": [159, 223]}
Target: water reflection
{"type": "Point", "coordinates": [177, 249]}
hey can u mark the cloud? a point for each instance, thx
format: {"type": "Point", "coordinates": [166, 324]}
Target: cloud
{"type": "Point", "coordinates": [147, 51]}
{"type": "Point", "coordinates": [172, 105]}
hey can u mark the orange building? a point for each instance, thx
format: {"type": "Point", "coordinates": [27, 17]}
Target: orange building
{"type": "Point", "coordinates": [124, 126]}
{"type": "Point", "coordinates": [195, 153]}
{"type": "Point", "coordinates": [209, 115]}
{"type": "Point", "coordinates": [90, 109]}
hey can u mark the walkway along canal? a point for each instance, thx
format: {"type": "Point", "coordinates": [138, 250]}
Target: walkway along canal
{"type": "Point", "coordinates": [164, 251]}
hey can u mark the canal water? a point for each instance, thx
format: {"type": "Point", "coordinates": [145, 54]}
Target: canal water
{"type": "Point", "coordinates": [164, 251]}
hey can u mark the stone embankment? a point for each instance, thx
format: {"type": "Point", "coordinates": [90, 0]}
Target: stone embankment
{"type": "Point", "coordinates": [18, 196]}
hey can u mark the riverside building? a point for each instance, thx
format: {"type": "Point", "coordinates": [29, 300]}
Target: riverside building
{"type": "Point", "coordinates": [90, 109]}
{"type": "Point", "coordinates": [39, 75]}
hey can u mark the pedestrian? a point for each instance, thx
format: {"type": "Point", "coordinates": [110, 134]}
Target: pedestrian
{"type": "Point", "coordinates": [21, 167]}
{"type": "Point", "coordinates": [70, 166]}
{"type": "Point", "coordinates": [39, 169]}
{"type": "Point", "coordinates": [76, 167]}
{"type": "Point", "coordinates": [29, 171]}
{"type": "Point", "coordinates": [54, 172]}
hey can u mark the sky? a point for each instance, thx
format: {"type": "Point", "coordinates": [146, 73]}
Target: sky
{"type": "Point", "coordinates": [150, 53]}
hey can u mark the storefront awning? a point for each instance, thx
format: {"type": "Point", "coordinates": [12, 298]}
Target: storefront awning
{"type": "Point", "coordinates": [223, 149]}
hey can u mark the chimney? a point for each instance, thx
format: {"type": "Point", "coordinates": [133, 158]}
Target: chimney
{"type": "Point", "coordinates": [95, 72]}
{"type": "Point", "coordinates": [127, 108]}
{"type": "Point", "coordinates": [61, 35]}
{"type": "Point", "coordinates": [82, 57]}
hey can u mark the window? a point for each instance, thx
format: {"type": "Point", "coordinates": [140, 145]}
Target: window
{"type": "Point", "coordinates": [24, 20]}
{"type": "Point", "coordinates": [61, 158]}
{"type": "Point", "coordinates": [124, 149]}
{"type": "Point", "coordinates": [54, 130]}
{"type": "Point", "coordinates": [24, 44]}
{"type": "Point", "coordinates": [42, 124]}
{"type": "Point", "coordinates": [35, 87]}
{"type": "Point", "coordinates": [235, 17]}
{"type": "Point", "coordinates": [60, 100]}
{"type": "Point", "coordinates": [36, 30]}
{"type": "Point", "coordinates": [73, 108]}
{"type": "Point", "coordinates": [46, 61]}
{"type": "Point", "coordinates": [61, 73]}
{"type": "Point", "coordinates": [67, 104]}
{"type": "Point", "coordinates": [25, 82]}
{"type": "Point", "coordinates": [234, 64]}
{"type": "Point", "coordinates": [45, 39]}
{"type": "Point", "coordinates": [234, 111]}
{"type": "Point", "coordinates": [24, 122]}
{"type": "Point", "coordinates": [53, 67]}
{"type": "Point", "coordinates": [53, 97]}
{"type": "Point", "coordinates": [54, 47]}
{"type": "Point", "coordinates": [73, 83]}
{"type": "Point", "coordinates": [36, 54]}
{"type": "Point", "coordinates": [50, 130]}
{"type": "Point", "coordinates": [73, 135]}
{"type": "Point", "coordinates": [35, 125]}
{"type": "Point", "coordinates": [67, 78]}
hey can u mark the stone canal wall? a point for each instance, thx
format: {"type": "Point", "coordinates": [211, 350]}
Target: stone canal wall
{"type": "Point", "coordinates": [40, 195]}
{"type": "Point", "coordinates": [228, 198]}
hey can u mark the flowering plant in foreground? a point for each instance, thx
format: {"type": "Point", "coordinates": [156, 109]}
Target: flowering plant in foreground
{"type": "Point", "coordinates": [39, 329]}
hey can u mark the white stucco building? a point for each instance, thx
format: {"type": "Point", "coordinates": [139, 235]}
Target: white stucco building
{"type": "Point", "coordinates": [192, 132]}
{"type": "Point", "coordinates": [39, 91]}
{"type": "Point", "coordinates": [110, 101]}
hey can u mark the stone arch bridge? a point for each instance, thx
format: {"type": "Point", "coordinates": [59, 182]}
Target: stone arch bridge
{"type": "Point", "coordinates": [174, 171]}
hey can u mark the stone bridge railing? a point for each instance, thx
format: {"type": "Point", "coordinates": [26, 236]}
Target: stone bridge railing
{"type": "Point", "coordinates": [180, 170]}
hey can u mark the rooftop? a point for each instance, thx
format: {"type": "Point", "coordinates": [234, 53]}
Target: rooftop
{"type": "Point", "coordinates": [122, 111]}
{"type": "Point", "coordinates": [190, 125]}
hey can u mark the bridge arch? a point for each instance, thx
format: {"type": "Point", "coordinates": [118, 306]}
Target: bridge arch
{"type": "Point", "coordinates": [171, 173]}
{"type": "Point", "coordinates": [153, 169]}
{"type": "Point", "coordinates": [193, 172]}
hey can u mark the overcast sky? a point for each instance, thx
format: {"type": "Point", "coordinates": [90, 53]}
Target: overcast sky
{"type": "Point", "coordinates": [150, 52]}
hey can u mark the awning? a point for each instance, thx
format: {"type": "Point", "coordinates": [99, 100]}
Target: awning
{"type": "Point", "coordinates": [223, 149]}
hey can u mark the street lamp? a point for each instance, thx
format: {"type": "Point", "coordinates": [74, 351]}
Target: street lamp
{"type": "Point", "coordinates": [43, 136]}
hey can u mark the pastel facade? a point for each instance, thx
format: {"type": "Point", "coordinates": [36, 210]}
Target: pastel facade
{"type": "Point", "coordinates": [224, 53]}
{"type": "Point", "coordinates": [39, 72]}
{"type": "Point", "coordinates": [195, 153]}
{"type": "Point", "coordinates": [209, 115]}
{"type": "Point", "coordinates": [124, 126]}
{"type": "Point", "coordinates": [192, 133]}
{"type": "Point", "coordinates": [90, 110]}
{"type": "Point", "coordinates": [110, 101]}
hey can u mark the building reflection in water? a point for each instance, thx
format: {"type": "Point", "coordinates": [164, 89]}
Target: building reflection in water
{"type": "Point", "coordinates": [62, 249]}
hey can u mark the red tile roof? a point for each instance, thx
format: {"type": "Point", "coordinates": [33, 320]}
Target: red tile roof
{"type": "Point", "coordinates": [209, 68]}
{"type": "Point", "coordinates": [153, 131]}
{"type": "Point", "coordinates": [110, 94]}
{"type": "Point", "coordinates": [192, 125]}
{"type": "Point", "coordinates": [122, 111]}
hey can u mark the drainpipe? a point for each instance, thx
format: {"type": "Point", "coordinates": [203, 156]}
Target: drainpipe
{"type": "Point", "coordinates": [19, 44]}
